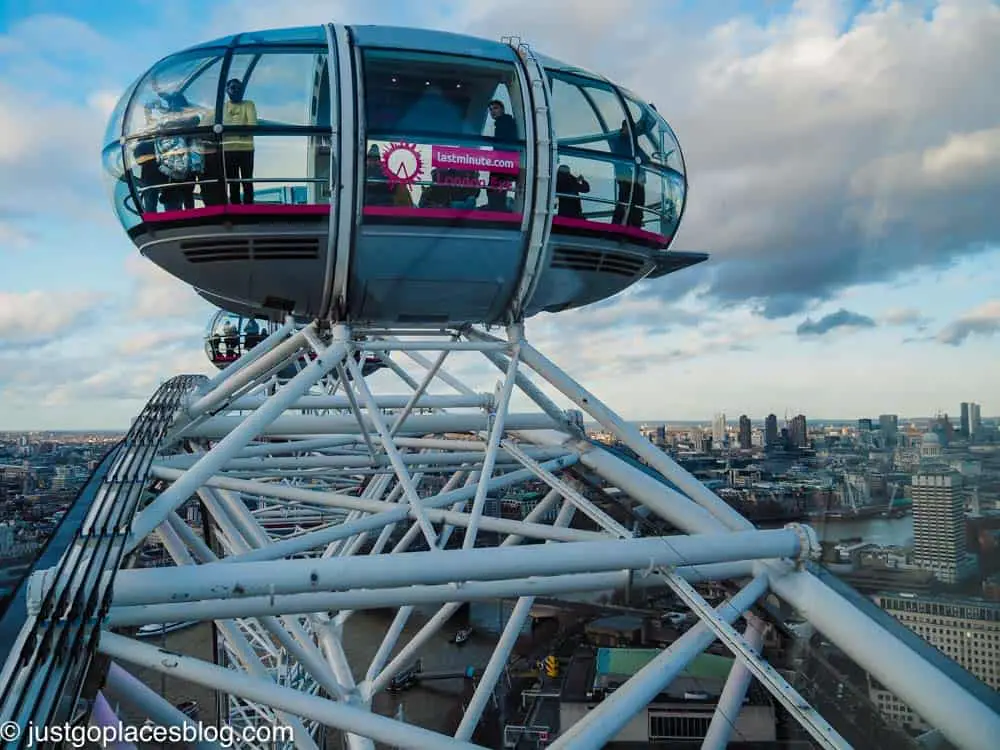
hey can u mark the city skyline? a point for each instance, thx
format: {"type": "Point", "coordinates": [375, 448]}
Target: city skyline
{"type": "Point", "coordinates": [854, 254]}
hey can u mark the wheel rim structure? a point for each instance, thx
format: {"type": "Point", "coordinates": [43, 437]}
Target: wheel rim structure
{"type": "Point", "coordinates": [389, 484]}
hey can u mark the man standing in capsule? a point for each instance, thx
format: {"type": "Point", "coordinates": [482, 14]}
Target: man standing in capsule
{"type": "Point", "coordinates": [239, 148]}
{"type": "Point", "coordinates": [504, 129]}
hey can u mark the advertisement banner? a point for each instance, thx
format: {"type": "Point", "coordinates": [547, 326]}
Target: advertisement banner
{"type": "Point", "coordinates": [456, 157]}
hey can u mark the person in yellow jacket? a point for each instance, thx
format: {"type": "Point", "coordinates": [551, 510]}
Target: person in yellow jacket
{"type": "Point", "coordinates": [238, 147]}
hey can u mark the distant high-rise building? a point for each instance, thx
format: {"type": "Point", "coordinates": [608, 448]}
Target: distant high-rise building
{"type": "Point", "coordinates": [888, 427]}
{"type": "Point", "coordinates": [864, 425]}
{"type": "Point", "coordinates": [975, 418]}
{"type": "Point", "coordinates": [939, 526]}
{"type": "Point", "coordinates": [963, 429]}
{"type": "Point", "coordinates": [943, 428]}
{"type": "Point", "coordinates": [661, 434]}
{"type": "Point", "coordinates": [746, 436]}
{"type": "Point", "coordinates": [770, 431]}
{"type": "Point", "coordinates": [719, 429]}
{"type": "Point", "coordinates": [798, 434]}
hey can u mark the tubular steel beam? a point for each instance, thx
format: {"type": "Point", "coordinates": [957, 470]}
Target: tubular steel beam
{"type": "Point", "coordinates": [329, 713]}
{"type": "Point", "coordinates": [233, 580]}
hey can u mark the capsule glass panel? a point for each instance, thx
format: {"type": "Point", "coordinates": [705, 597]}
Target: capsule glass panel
{"type": "Point", "coordinates": [116, 123]}
{"type": "Point", "coordinates": [587, 114]}
{"type": "Point", "coordinates": [279, 170]}
{"type": "Point", "coordinates": [284, 88]}
{"type": "Point", "coordinates": [656, 140]}
{"type": "Point", "coordinates": [116, 180]}
{"type": "Point", "coordinates": [295, 35]}
{"type": "Point", "coordinates": [176, 171]}
{"type": "Point", "coordinates": [660, 201]}
{"type": "Point", "coordinates": [445, 134]}
{"type": "Point", "coordinates": [178, 93]}
{"type": "Point", "coordinates": [586, 188]}
{"type": "Point", "coordinates": [595, 142]}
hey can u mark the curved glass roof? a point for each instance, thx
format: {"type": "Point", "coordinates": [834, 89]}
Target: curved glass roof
{"type": "Point", "coordinates": [293, 35]}
{"type": "Point", "coordinates": [444, 42]}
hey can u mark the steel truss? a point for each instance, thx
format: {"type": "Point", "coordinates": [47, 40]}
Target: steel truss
{"type": "Point", "coordinates": [332, 493]}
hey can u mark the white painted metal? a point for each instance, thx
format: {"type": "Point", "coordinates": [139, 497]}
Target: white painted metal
{"type": "Point", "coordinates": [820, 729]}
{"type": "Point", "coordinates": [331, 494]}
{"type": "Point", "coordinates": [541, 163]}
{"type": "Point", "coordinates": [734, 693]}
{"type": "Point", "coordinates": [325, 711]}
{"type": "Point", "coordinates": [344, 174]}
{"type": "Point", "coordinates": [220, 581]}
{"type": "Point", "coordinates": [298, 424]}
{"type": "Point", "coordinates": [124, 688]}
{"type": "Point", "coordinates": [965, 721]}
{"type": "Point", "coordinates": [615, 711]}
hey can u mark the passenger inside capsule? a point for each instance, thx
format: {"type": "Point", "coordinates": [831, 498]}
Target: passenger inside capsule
{"type": "Point", "coordinates": [178, 158]}
{"type": "Point", "coordinates": [504, 130]}
{"type": "Point", "coordinates": [239, 148]}
{"type": "Point", "coordinates": [568, 188]}
{"type": "Point", "coordinates": [631, 179]}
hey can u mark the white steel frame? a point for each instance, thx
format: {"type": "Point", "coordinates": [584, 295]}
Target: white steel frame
{"type": "Point", "coordinates": [366, 471]}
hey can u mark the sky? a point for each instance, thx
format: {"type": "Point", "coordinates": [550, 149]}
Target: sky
{"type": "Point", "coordinates": [844, 168]}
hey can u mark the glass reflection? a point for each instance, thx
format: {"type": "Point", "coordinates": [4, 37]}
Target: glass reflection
{"type": "Point", "coordinates": [176, 91]}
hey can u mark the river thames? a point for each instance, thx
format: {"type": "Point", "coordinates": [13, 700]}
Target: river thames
{"type": "Point", "coordinates": [881, 531]}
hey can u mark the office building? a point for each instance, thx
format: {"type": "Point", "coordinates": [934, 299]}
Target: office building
{"type": "Point", "coordinates": [888, 427]}
{"type": "Point", "coordinates": [770, 431]}
{"type": "Point", "coordinates": [964, 423]}
{"type": "Point", "coordinates": [966, 630]}
{"type": "Point", "coordinates": [939, 526]}
{"type": "Point", "coordinates": [719, 430]}
{"type": "Point", "coordinates": [746, 436]}
{"type": "Point", "coordinates": [797, 434]}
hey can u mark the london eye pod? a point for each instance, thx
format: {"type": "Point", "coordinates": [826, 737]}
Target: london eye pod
{"type": "Point", "coordinates": [393, 175]}
{"type": "Point", "coordinates": [229, 335]}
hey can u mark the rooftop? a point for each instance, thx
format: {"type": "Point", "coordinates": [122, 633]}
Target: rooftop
{"type": "Point", "coordinates": [628, 661]}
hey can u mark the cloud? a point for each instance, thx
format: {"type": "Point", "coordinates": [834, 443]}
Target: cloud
{"type": "Point", "coordinates": [840, 319]}
{"type": "Point", "coordinates": [13, 237]}
{"type": "Point", "coordinates": [144, 341]}
{"type": "Point", "coordinates": [983, 321]}
{"type": "Point", "coordinates": [37, 317]}
{"type": "Point", "coordinates": [817, 160]}
{"type": "Point", "coordinates": [156, 295]}
{"type": "Point", "coordinates": [904, 316]}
